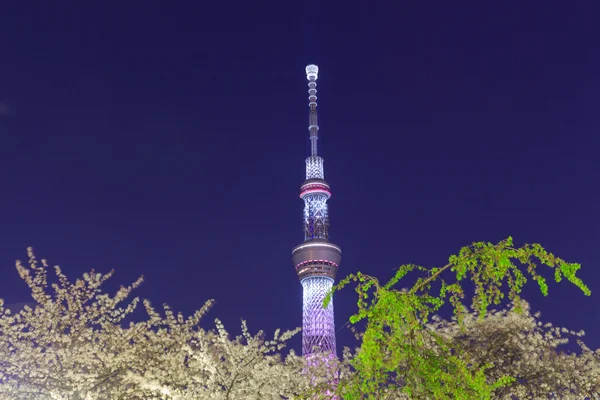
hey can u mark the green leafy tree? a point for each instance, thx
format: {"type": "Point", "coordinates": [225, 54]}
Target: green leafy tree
{"type": "Point", "coordinates": [400, 357]}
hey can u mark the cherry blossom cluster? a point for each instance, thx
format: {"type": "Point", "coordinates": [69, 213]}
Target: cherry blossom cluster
{"type": "Point", "coordinates": [80, 343]}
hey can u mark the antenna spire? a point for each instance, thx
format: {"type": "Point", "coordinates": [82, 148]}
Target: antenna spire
{"type": "Point", "coordinates": [312, 72]}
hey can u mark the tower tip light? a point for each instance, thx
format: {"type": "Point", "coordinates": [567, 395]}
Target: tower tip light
{"type": "Point", "coordinates": [312, 71]}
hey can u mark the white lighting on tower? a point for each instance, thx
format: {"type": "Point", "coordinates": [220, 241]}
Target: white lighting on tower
{"type": "Point", "coordinates": [316, 260]}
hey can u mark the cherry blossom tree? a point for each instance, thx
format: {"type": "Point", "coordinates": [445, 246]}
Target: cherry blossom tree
{"type": "Point", "coordinates": [76, 343]}
{"type": "Point", "coordinates": [518, 344]}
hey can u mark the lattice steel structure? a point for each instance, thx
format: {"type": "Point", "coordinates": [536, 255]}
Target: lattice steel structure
{"type": "Point", "coordinates": [316, 260]}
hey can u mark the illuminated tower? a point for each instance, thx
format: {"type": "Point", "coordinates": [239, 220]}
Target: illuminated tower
{"type": "Point", "coordinates": [316, 260]}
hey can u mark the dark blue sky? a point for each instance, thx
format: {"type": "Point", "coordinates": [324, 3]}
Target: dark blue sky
{"type": "Point", "coordinates": [169, 140]}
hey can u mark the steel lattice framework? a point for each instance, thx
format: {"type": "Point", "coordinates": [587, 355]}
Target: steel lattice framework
{"type": "Point", "coordinates": [316, 219]}
{"type": "Point", "coordinates": [314, 168]}
{"type": "Point", "coordinates": [316, 260]}
{"type": "Point", "coordinates": [318, 329]}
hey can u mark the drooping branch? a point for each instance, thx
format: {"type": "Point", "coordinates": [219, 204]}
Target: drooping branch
{"type": "Point", "coordinates": [398, 350]}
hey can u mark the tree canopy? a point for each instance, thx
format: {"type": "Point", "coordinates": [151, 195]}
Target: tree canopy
{"type": "Point", "coordinates": [400, 353]}
{"type": "Point", "coordinates": [75, 343]}
{"type": "Point", "coordinates": [79, 342]}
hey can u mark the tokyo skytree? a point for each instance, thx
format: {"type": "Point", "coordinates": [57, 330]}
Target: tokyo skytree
{"type": "Point", "coordinates": [316, 259]}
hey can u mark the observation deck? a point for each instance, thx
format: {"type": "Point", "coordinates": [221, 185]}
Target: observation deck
{"type": "Point", "coordinates": [314, 186]}
{"type": "Point", "coordinates": [316, 257]}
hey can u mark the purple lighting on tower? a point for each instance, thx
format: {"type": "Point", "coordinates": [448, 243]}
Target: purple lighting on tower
{"type": "Point", "coordinates": [316, 260]}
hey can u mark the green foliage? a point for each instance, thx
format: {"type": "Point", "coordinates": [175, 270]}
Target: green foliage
{"type": "Point", "coordinates": [396, 353]}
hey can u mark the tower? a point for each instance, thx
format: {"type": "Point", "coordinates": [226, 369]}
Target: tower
{"type": "Point", "coordinates": [316, 259]}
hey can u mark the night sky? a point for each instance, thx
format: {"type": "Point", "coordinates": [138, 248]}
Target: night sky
{"type": "Point", "coordinates": [168, 139]}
